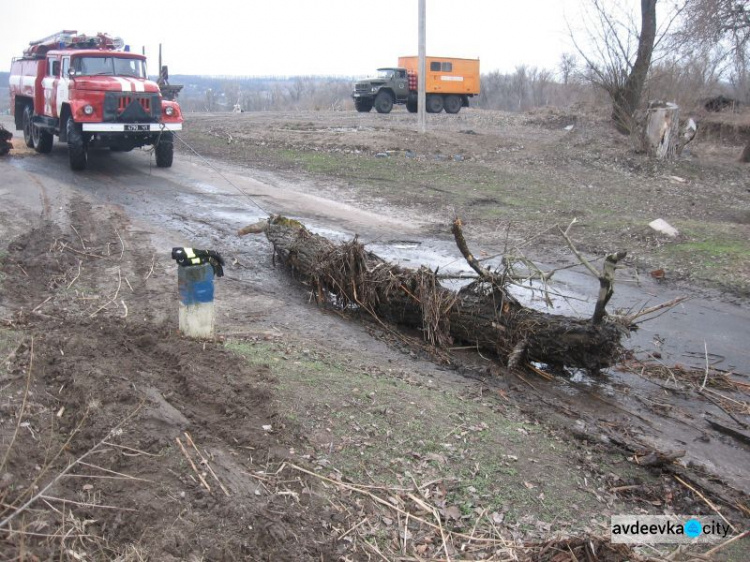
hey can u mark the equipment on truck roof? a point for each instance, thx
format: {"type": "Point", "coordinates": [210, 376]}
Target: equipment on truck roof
{"type": "Point", "coordinates": [70, 39]}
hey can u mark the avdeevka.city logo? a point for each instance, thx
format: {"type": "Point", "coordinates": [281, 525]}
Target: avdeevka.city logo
{"type": "Point", "coordinates": [677, 529]}
{"type": "Point", "coordinates": [693, 528]}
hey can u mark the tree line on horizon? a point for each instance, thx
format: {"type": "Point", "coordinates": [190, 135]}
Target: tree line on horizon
{"type": "Point", "coordinates": [686, 52]}
{"type": "Point", "coordinates": [525, 89]}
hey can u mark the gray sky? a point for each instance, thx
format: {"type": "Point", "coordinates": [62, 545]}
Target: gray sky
{"type": "Point", "coordinates": [303, 37]}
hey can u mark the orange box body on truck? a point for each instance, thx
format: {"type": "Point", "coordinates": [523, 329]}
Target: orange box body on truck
{"type": "Point", "coordinates": [447, 75]}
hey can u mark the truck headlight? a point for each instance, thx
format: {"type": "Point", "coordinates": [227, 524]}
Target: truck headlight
{"type": "Point", "coordinates": [88, 109]}
{"type": "Point", "coordinates": [169, 111]}
{"type": "Point", "coordinates": [373, 89]}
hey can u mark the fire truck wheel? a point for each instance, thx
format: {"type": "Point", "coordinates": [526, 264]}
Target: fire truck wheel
{"type": "Point", "coordinates": [452, 104]}
{"type": "Point", "coordinates": [383, 102]}
{"type": "Point", "coordinates": [77, 150]}
{"type": "Point", "coordinates": [434, 103]}
{"type": "Point", "coordinates": [164, 149]}
{"type": "Point", "coordinates": [42, 139]}
{"type": "Point", "coordinates": [28, 112]}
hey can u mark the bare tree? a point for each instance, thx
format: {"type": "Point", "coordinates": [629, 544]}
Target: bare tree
{"type": "Point", "coordinates": [724, 27]}
{"type": "Point", "coordinates": [210, 100]}
{"type": "Point", "coordinates": [719, 20]}
{"type": "Point", "coordinates": [720, 27]}
{"type": "Point", "coordinates": [568, 65]}
{"type": "Point", "coordinates": [620, 56]}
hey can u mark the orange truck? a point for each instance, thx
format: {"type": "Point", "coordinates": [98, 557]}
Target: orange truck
{"type": "Point", "coordinates": [450, 82]}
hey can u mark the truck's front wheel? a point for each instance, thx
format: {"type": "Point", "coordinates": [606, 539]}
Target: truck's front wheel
{"type": "Point", "coordinates": [363, 106]}
{"type": "Point", "coordinates": [28, 113]}
{"type": "Point", "coordinates": [164, 149]}
{"type": "Point", "coordinates": [77, 150]}
{"type": "Point", "coordinates": [383, 102]}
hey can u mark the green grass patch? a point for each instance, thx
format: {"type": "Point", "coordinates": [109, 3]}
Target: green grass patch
{"type": "Point", "coordinates": [715, 253]}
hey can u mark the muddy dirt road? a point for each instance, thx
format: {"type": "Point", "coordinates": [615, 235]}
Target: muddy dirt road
{"type": "Point", "coordinates": [86, 273]}
{"type": "Point", "coordinates": [207, 201]}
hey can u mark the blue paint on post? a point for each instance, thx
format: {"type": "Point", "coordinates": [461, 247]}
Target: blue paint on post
{"type": "Point", "coordinates": [196, 284]}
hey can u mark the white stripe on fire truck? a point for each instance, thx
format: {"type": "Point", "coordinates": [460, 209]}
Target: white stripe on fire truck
{"type": "Point", "coordinates": [22, 81]}
{"type": "Point", "coordinates": [137, 84]}
{"type": "Point", "coordinates": [47, 85]}
{"type": "Point", "coordinates": [124, 84]}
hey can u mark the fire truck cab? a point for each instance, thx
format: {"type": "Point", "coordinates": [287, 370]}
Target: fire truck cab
{"type": "Point", "coordinates": [89, 91]}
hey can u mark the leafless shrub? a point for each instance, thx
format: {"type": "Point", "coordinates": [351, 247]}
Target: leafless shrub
{"type": "Point", "coordinates": [688, 80]}
{"type": "Point", "coordinates": [720, 29]}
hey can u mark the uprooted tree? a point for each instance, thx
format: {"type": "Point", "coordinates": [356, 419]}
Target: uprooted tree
{"type": "Point", "coordinates": [483, 313]}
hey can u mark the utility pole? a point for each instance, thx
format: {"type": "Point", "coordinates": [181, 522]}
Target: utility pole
{"type": "Point", "coordinates": [422, 69]}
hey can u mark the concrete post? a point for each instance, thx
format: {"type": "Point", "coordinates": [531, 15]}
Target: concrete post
{"type": "Point", "coordinates": [422, 69]}
{"type": "Point", "coordinates": [196, 288]}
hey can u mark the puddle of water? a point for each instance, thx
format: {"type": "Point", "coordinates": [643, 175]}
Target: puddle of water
{"type": "Point", "coordinates": [415, 254]}
{"type": "Point", "coordinates": [208, 187]}
{"type": "Point", "coordinates": [241, 217]}
{"type": "Point", "coordinates": [346, 129]}
{"type": "Point", "coordinates": [334, 235]}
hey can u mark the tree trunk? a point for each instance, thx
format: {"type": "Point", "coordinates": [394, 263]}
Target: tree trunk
{"type": "Point", "coordinates": [482, 314]}
{"type": "Point", "coordinates": [626, 100]}
{"type": "Point", "coordinates": [662, 130]}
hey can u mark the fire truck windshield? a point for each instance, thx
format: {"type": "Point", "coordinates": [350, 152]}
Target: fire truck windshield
{"type": "Point", "coordinates": [109, 66]}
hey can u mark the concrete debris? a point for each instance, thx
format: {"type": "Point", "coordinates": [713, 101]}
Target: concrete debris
{"type": "Point", "coordinates": [663, 227]}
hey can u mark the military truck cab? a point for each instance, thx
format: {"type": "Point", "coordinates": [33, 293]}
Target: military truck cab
{"type": "Point", "coordinates": [389, 86]}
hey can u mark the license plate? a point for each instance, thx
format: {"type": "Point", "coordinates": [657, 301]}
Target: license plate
{"type": "Point", "coordinates": [137, 127]}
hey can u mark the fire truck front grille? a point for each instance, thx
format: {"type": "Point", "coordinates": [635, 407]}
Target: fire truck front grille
{"type": "Point", "coordinates": [129, 107]}
{"type": "Point", "coordinates": [125, 101]}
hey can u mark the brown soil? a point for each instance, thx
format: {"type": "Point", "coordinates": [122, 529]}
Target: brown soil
{"type": "Point", "coordinates": [99, 369]}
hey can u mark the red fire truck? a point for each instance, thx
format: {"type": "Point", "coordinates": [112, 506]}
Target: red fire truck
{"type": "Point", "coordinates": [90, 91]}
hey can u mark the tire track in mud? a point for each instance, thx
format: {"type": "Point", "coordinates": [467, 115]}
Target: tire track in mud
{"type": "Point", "coordinates": [44, 198]}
